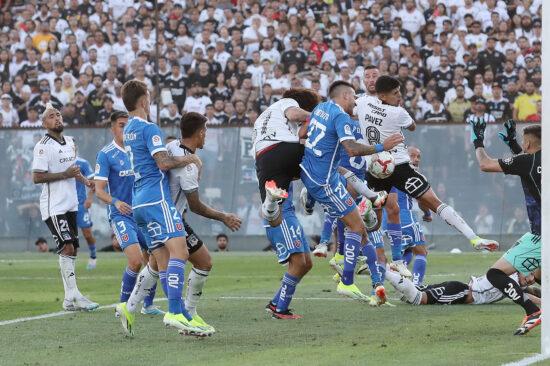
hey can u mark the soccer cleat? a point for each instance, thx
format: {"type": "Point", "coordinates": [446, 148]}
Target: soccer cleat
{"type": "Point", "coordinates": [484, 244]}
{"type": "Point", "coordinates": [380, 199]}
{"type": "Point", "coordinates": [352, 292]}
{"type": "Point", "coordinates": [380, 295]}
{"type": "Point", "coordinates": [307, 205]}
{"type": "Point", "coordinates": [91, 263]}
{"type": "Point", "coordinates": [399, 266]}
{"type": "Point", "coordinates": [287, 314]}
{"type": "Point", "coordinates": [271, 307]}
{"type": "Point", "coordinates": [363, 270]}
{"type": "Point", "coordinates": [200, 321]}
{"type": "Point", "coordinates": [336, 278]}
{"type": "Point", "coordinates": [273, 192]}
{"type": "Point", "coordinates": [126, 318]}
{"type": "Point", "coordinates": [320, 250]}
{"type": "Point", "coordinates": [152, 310]}
{"type": "Point", "coordinates": [185, 326]}
{"type": "Point", "coordinates": [529, 322]}
{"type": "Point", "coordinates": [68, 305]}
{"type": "Point", "coordinates": [81, 303]}
{"type": "Point", "coordinates": [337, 265]}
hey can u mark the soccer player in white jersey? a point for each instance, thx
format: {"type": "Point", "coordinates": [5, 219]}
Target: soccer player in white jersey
{"type": "Point", "coordinates": [184, 188]}
{"type": "Point", "coordinates": [383, 116]}
{"type": "Point", "coordinates": [54, 167]}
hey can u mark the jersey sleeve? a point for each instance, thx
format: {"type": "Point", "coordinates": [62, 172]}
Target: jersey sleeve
{"type": "Point", "coordinates": [517, 164]}
{"type": "Point", "coordinates": [187, 177]}
{"type": "Point", "coordinates": [102, 167]}
{"type": "Point", "coordinates": [287, 103]}
{"type": "Point", "coordinates": [153, 139]}
{"type": "Point", "coordinates": [344, 127]}
{"type": "Point", "coordinates": [405, 120]}
{"type": "Point", "coordinates": [40, 158]}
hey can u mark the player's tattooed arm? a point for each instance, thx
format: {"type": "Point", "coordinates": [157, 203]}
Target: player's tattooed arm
{"type": "Point", "coordinates": [486, 163]}
{"type": "Point", "coordinates": [167, 162]}
{"type": "Point", "coordinates": [230, 220]}
{"type": "Point", "coordinates": [353, 148]}
{"type": "Point", "coordinates": [46, 177]}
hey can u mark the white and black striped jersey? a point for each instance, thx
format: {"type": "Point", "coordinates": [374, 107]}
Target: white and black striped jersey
{"type": "Point", "coordinates": [183, 180]}
{"type": "Point", "coordinates": [53, 156]}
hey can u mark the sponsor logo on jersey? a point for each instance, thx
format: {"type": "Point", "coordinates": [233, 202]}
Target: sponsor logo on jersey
{"type": "Point", "coordinates": [157, 141]}
{"type": "Point", "coordinates": [65, 160]}
{"type": "Point", "coordinates": [129, 136]}
{"type": "Point", "coordinates": [125, 173]}
{"type": "Point", "coordinates": [347, 129]}
{"type": "Point", "coordinates": [124, 238]}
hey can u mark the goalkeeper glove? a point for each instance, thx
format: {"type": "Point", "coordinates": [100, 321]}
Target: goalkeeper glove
{"type": "Point", "coordinates": [478, 131]}
{"type": "Point", "coordinates": [509, 136]}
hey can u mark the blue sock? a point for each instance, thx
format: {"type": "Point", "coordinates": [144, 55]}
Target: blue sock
{"type": "Point", "coordinates": [327, 229]}
{"type": "Point", "coordinates": [394, 232]}
{"type": "Point", "coordinates": [128, 282]}
{"type": "Point", "coordinates": [92, 251]}
{"type": "Point", "coordinates": [162, 277]}
{"type": "Point", "coordinates": [419, 269]}
{"type": "Point", "coordinates": [310, 201]}
{"type": "Point", "coordinates": [175, 274]}
{"type": "Point", "coordinates": [276, 297]}
{"type": "Point", "coordinates": [407, 257]}
{"type": "Point", "coordinates": [340, 231]}
{"type": "Point", "coordinates": [286, 292]}
{"type": "Point", "coordinates": [370, 252]}
{"type": "Point", "coordinates": [148, 301]}
{"type": "Point", "coordinates": [352, 244]}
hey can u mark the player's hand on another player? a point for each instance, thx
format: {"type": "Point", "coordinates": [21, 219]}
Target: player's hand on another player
{"type": "Point", "coordinates": [393, 141]}
{"type": "Point", "coordinates": [509, 133]}
{"type": "Point", "coordinates": [232, 221]}
{"type": "Point", "coordinates": [88, 203]}
{"type": "Point", "coordinates": [123, 207]}
{"type": "Point", "coordinates": [72, 171]}
{"type": "Point", "coordinates": [90, 184]}
{"type": "Point", "coordinates": [478, 131]}
{"type": "Point", "coordinates": [427, 217]}
{"type": "Point", "coordinates": [194, 159]}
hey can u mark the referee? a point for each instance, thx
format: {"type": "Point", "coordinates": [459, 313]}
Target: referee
{"type": "Point", "coordinates": [54, 167]}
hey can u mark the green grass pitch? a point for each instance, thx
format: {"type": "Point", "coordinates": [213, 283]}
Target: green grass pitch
{"type": "Point", "coordinates": [334, 331]}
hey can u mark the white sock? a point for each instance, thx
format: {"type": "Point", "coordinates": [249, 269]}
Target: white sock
{"type": "Point", "coordinates": [450, 216]}
{"type": "Point", "coordinates": [195, 282]}
{"type": "Point", "coordinates": [145, 281]}
{"type": "Point", "coordinates": [270, 209]}
{"type": "Point", "coordinates": [404, 286]}
{"type": "Point", "coordinates": [360, 186]}
{"type": "Point", "coordinates": [66, 266]}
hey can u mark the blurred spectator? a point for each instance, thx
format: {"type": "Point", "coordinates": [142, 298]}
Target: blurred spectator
{"type": "Point", "coordinates": [104, 114]}
{"type": "Point", "coordinates": [484, 220]}
{"type": "Point", "coordinates": [437, 113]}
{"type": "Point", "coordinates": [33, 120]}
{"type": "Point", "coordinates": [519, 223]}
{"type": "Point", "coordinates": [525, 104]}
{"type": "Point", "coordinates": [498, 106]}
{"type": "Point", "coordinates": [10, 118]}
{"type": "Point", "coordinates": [42, 245]}
{"type": "Point", "coordinates": [197, 101]}
{"type": "Point", "coordinates": [170, 117]}
{"type": "Point", "coordinates": [536, 116]}
{"type": "Point", "coordinates": [240, 116]}
{"type": "Point", "coordinates": [222, 242]}
{"type": "Point", "coordinates": [83, 110]}
{"type": "Point", "coordinates": [459, 105]}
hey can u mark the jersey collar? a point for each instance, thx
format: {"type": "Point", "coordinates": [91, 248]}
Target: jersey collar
{"type": "Point", "coordinates": [186, 148]}
{"type": "Point", "coordinates": [118, 147]}
{"type": "Point", "coordinates": [64, 142]}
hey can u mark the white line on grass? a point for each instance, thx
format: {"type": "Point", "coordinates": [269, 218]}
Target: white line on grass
{"type": "Point", "coordinates": [528, 360]}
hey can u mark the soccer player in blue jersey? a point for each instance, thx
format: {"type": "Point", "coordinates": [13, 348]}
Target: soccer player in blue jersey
{"type": "Point", "coordinates": [330, 131]}
{"type": "Point", "coordinates": [289, 241]}
{"type": "Point", "coordinates": [153, 208]}
{"type": "Point", "coordinates": [114, 183]}
{"type": "Point", "coordinates": [83, 218]}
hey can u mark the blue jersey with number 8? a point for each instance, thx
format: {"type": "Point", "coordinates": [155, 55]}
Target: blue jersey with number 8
{"type": "Point", "coordinates": [329, 125]}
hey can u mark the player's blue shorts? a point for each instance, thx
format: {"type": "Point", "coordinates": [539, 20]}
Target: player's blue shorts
{"type": "Point", "coordinates": [334, 197]}
{"type": "Point", "coordinates": [412, 234]}
{"type": "Point", "coordinates": [159, 222]}
{"type": "Point", "coordinates": [127, 231]}
{"type": "Point", "coordinates": [83, 217]}
{"type": "Point", "coordinates": [377, 239]}
{"type": "Point", "coordinates": [287, 238]}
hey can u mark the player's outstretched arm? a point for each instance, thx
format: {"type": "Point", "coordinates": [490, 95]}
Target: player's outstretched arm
{"type": "Point", "coordinates": [486, 163]}
{"type": "Point", "coordinates": [167, 162]}
{"type": "Point", "coordinates": [353, 148]}
{"type": "Point", "coordinates": [509, 136]}
{"type": "Point", "coordinates": [230, 220]}
{"type": "Point", "coordinates": [46, 177]}
{"type": "Point", "coordinates": [100, 193]}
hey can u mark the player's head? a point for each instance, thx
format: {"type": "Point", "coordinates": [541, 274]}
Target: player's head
{"type": "Point", "coordinates": [119, 119]}
{"type": "Point", "coordinates": [531, 139]}
{"type": "Point", "coordinates": [388, 90]}
{"type": "Point", "coordinates": [307, 98]}
{"type": "Point", "coordinates": [370, 76]}
{"type": "Point", "coordinates": [343, 94]}
{"type": "Point", "coordinates": [42, 245]}
{"type": "Point", "coordinates": [135, 96]}
{"type": "Point", "coordinates": [193, 126]}
{"type": "Point", "coordinates": [526, 280]}
{"type": "Point", "coordinates": [52, 119]}
{"type": "Point", "coordinates": [221, 241]}
{"type": "Point", "coordinates": [414, 154]}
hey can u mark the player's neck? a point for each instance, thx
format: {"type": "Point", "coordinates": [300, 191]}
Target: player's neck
{"type": "Point", "coordinates": [56, 135]}
{"type": "Point", "coordinates": [119, 143]}
{"type": "Point", "coordinates": [138, 113]}
{"type": "Point", "coordinates": [189, 143]}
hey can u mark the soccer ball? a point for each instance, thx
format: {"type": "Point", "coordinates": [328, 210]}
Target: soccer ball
{"type": "Point", "coordinates": [381, 165]}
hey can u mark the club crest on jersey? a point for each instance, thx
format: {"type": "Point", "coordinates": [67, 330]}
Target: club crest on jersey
{"type": "Point", "coordinates": [157, 141]}
{"type": "Point", "coordinates": [179, 226]}
{"type": "Point", "coordinates": [41, 152]}
{"type": "Point", "coordinates": [508, 161]}
{"type": "Point", "coordinates": [125, 238]}
{"type": "Point", "coordinates": [349, 201]}
{"type": "Point", "coordinates": [297, 243]}
{"type": "Point", "coordinates": [121, 162]}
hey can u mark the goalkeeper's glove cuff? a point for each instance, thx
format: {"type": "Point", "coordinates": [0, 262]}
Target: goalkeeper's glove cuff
{"type": "Point", "coordinates": [478, 143]}
{"type": "Point", "coordinates": [514, 146]}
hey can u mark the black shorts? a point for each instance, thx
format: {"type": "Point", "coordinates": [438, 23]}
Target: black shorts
{"type": "Point", "coordinates": [280, 163]}
{"type": "Point", "coordinates": [64, 230]}
{"type": "Point", "coordinates": [404, 178]}
{"type": "Point", "coordinates": [194, 243]}
{"type": "Point", "coordinates": [446, 293]}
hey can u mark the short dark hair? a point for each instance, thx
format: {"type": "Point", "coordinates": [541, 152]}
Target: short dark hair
{"type": "Point", "coordinates": [385, 84]}
{"type": "Point", "coordinates": [118, 114]}
{"type": "Point", "coordinates": [533, 130]}
{"type": "Point", "coordinates": [337, 87]}
{"type": "Point", "coordinates": [132, 91]}
{"type": "Point", "coordinates": [307, 99]}
{"type": "Point", "coordinates": [191, 122]}
{"type": "Point", "coordinates": [371, 67]}
{"type": "Point", "coordinates": [222, 235]}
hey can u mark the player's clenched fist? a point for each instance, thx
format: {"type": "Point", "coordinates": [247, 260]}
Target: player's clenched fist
{"type": "Point", "coordinates": [232, 221]}
{"type": "Point", "coordinates": [72, 171]}
{"type": "Point", "coordinates": [392, 141]}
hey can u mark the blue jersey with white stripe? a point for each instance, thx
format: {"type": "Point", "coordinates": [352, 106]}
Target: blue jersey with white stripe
{"type": "Point", "coordinates": [86, 171]}
{"type": "Point", "coordinates": [356, 164]}
{"type": "Point", "coordinates": [329, 125]}
{"type": "Point", "coordinates": [142, 140]}
{"type": "Point", "coordinates": [113, 166]}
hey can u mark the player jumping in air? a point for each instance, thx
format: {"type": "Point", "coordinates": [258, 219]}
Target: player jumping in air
{"type": "Point", "coordinates": [83, 218]}
{"type": "Point", "coordinates": [525, 255]}
{"type": "Point", "coordinates": [184, 188]}
{"type": "Point", "coordinates": [330, 130]}
{"type": "Point", "coordinates": [153, 208]}
{"type": "Point", "coordinates": [114, 181]}
{"type": "Point", "coordinates": [54, 167]}
{"type": "Point", "coordinates": [380, 117]}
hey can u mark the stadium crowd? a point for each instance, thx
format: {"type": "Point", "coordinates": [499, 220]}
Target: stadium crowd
{"type": "Point", "coordinates": [232, 59]}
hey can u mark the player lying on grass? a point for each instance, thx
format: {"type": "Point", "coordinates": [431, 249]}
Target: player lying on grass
{"type": "Point", "coordinates": [184, 188]}
{"type": "Point", "coordinates": [114, 183]}
{"type": "Point", "coordinates": [478, 291]}
{"type": "Point", "coordinates": [525, 255]}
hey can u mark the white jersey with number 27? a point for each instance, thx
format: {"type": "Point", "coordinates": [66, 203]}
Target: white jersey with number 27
{"type": "Point", "coordinates": [379, 121]}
